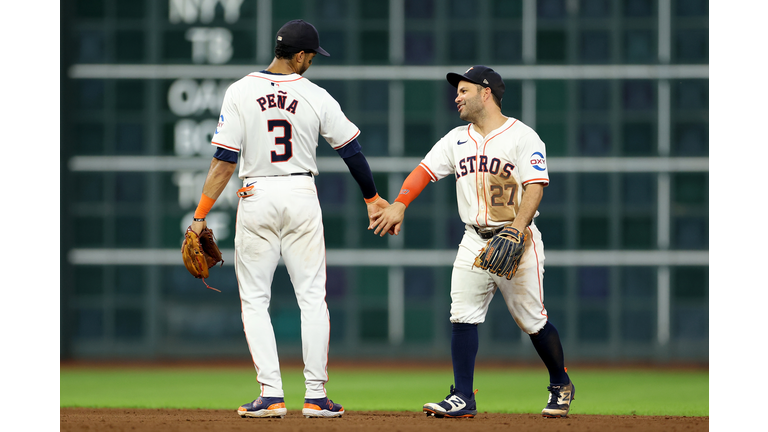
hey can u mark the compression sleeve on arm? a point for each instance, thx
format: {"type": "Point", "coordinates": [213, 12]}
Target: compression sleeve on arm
{"type": "Point", "coordinates": [359, 168]}
{"type": "Point", "coordinates": [416, 181]}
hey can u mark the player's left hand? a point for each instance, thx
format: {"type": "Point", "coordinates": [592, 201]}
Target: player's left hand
{"type": "Point", "coordinates": [198, 227]}
{"type": "Point", "coordinates": [503, 252]}
{"type": "Point", "coordinates": [375, 208]}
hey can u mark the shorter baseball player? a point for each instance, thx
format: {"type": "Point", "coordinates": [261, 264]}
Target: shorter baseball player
{"type": "Point", "coordinates": [499, 165]}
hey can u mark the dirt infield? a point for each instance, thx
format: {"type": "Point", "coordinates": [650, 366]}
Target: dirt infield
{"type": "Point", "coordinates": [137, 420]}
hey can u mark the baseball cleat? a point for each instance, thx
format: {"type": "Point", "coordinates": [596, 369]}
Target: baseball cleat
{"type": "Point", "coordinates": [455, 405]}
{"type": "Point", "coordinates": [264, 407]}
{"type": "Point", "coordinates": [559, 402]}
{"type": "Point", "coordinates": [322, 407]}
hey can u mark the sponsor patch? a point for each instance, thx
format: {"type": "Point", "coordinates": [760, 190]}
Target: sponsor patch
{"type": "Point", "coordinates": [538, 162]}
{"type": "Point", "coordinates": [220, 125]}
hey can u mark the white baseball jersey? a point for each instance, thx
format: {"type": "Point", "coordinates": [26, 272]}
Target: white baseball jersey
{"type": "Point", "coordinates": [273, 121]}
{"type": "Point", "coordinates": [489, 171]}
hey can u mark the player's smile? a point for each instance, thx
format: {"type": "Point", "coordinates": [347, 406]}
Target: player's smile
{"type": "Point", "coordinates": [468, 102]}
{"type": "Point", "coordinates": [469, 107]}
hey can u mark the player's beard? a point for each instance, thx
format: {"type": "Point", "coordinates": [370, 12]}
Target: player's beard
{"type": "Point", "coordinates": [473, 109]}
{"type": "Point", "coordinates": [306, 64]}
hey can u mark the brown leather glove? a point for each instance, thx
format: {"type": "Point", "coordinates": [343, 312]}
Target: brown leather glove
{"type": "Point", "coordinates": [502, 253]}
{"type": "Point", "coordinates": [200, 253]}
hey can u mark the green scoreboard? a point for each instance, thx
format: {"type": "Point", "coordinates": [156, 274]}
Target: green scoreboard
{"type": "Point", "coordinates": [618, 91]}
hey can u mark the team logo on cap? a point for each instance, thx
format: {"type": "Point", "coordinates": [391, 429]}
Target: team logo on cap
{"type": "Point", "coordinates": [220, 125]}
{"type": "Point", "coordinates": [279, 38]}
{"type": "Point", "coordinates": [538, 162]}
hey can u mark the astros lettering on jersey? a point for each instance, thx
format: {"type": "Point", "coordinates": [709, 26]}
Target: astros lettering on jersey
{"type": "Point", "coordinates": [489, 171]}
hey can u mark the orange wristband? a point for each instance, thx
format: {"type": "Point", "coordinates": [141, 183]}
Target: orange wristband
{"type": "Point", "coordinates": [371, 200]}
{"type": "Point", "coordinates": [416, 181]}
{"type": "Point", "coordinates": [204, 206]}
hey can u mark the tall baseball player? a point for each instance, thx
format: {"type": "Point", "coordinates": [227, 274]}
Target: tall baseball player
{"type": "Point", "coordinates": [499, 165]}
{"type": "Point", "coordinates": [271, 119]}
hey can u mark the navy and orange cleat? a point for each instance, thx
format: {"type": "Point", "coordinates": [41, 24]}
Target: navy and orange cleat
{"type": "Point", "coordinates": [559, 403]}
{"type": "Point", "coordinates": [264, 407]}
{"type": "Point", "coordinates": [455, 405]}
{"type": "Point", "coordinates": [321, 407]}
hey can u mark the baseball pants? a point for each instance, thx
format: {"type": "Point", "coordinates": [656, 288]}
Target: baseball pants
{"type": "Point", "coordinates": [283, 218]}
{"type": "Point", "coordinates": [472, 288]}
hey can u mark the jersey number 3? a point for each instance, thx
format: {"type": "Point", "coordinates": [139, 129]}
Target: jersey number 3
{"type": "Point", "coordinates": [284, 140]}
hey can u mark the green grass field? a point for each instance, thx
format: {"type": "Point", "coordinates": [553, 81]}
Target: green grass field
{"type": "Point", "coordinates": [614, 392]}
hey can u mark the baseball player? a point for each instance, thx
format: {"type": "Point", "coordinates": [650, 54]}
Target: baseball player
{"type": "Point", "coordinates": [499, 165]}
{"type": "Point", "coordinates": [271, 120]}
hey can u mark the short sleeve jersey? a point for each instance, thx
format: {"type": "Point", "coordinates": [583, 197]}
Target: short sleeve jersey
{"type": "Point", "coordinates": [274, 121]}
{"type": "Point", "coordinates": [490, 171]}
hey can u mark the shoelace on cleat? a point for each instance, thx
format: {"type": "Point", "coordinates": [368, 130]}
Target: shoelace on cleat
{"type": "Point", "coordinates": [554, 394]}
{"type": "Point", "coordinates": [444, 403]}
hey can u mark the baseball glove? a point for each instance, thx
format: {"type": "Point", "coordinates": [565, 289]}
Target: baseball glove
{"type": "Point", "coordinates": [200, 253]}
{"type": "Point", "coordinates": [502, 253]}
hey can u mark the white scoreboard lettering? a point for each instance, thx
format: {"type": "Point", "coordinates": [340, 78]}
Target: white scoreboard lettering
{"type": "Point", "coordinates": [188, 97]}
{"type": "Point", "coordinates": [192, 11]}
{"type": "Point", "coordinates": [210, 45]}
{"type": "Point", "coordinates": [193, 138]}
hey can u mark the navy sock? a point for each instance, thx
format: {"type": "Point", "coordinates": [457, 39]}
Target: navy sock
{"type": "Point", "coordinates": [464, 344]}
{"type": "Point", "coordinates": [547, 344]}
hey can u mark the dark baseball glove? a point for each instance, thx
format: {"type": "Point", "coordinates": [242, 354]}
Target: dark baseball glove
{"type": "Point", "coordinates": [502, 253]}
{"type": "Point", "coordinates": [200, 253]}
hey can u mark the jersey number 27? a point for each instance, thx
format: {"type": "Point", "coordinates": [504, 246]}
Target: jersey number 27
{"type": "Point", "coordinates": [498, 192]}
{"type": "Point", "coordinates": [284, 140]}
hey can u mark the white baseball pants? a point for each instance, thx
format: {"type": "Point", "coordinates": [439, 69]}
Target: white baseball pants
{"type": "Point", "coordinates": [472, 288]}
{"type": "Point", "coordinates": [283, 217]}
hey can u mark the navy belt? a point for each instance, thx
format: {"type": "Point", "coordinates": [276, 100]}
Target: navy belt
{"type": "Point", "coordinates": [308, 174]}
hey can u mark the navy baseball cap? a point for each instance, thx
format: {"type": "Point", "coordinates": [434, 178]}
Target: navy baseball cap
{"type": "Point", "coordinates": [481, 75]}
{"type": "Point", "coordinates": [301, 35]}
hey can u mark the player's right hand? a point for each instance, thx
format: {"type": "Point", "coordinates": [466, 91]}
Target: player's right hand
{"type": "Point", "coordinates": [374, 208]}
{"type": "Point", "coordinates": [388, 220]}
